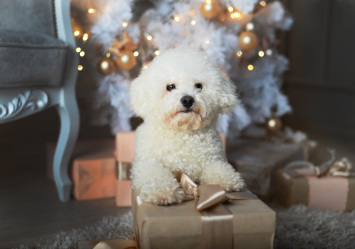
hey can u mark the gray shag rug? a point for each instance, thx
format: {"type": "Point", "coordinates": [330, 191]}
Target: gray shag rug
{"type": "Point", "coordinates": [296, 227]}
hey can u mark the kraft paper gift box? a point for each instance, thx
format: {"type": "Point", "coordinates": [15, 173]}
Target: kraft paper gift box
{"type": "Point", "coordinates": [124, 153]}
{"type": "Point", "coordinates": [257, 162]}
{"type": "Point", "coordinates": [94, 173]}
{"type": "Point", "coordinates": [303, 187]}
{"type": "Point", "coordinates": [181, 225]}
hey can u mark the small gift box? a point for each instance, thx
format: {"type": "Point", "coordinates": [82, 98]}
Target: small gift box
{"type": "Point", "coordinates": [124, 152]}
{"type": "Point", "coordinates": [257, 162]}
{"type": "Point", "coordinates": [241, 222]}
{"type": "Point", "coordinates": [330, 186]}
{"type": "Point", "coordinates": [94, 175]}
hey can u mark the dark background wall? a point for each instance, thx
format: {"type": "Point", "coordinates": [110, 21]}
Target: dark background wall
{"type": "Point", "coordinates": [321, 80]}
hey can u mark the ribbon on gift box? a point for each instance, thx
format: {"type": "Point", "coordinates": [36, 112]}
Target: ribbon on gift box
{"type": "Point", "coordinates": [216, 219]}
{"type": "Point", "coordinates": [328, 184]}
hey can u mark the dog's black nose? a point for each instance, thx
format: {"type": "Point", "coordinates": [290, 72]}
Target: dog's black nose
{"type": "Point", "coordinates": [187, 101]}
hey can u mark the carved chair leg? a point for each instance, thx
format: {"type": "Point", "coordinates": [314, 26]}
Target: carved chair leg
{"type": "Point", "coordinates": [69, 116]}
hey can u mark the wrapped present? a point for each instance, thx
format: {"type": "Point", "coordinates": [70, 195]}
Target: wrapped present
{"type": "Point", "coordinates": [241, 222]}
{"type": "Point", "coordinates": [329, 186]}
{"type": "Point", "coordinates": [94, 173]}
{"type": "Point", "coordinates": [257, 162]}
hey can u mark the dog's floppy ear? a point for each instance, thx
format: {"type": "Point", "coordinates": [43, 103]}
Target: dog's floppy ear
{"type": "Point", "coordinates": [227, 99]}
{"type": "Point", "coordinates": [138, 96]}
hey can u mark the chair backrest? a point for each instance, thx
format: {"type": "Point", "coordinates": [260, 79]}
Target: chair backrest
{"type": "Point", "coordinates": [28, 15]}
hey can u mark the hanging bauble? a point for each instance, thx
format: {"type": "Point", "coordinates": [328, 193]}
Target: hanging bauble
{"type": "Point", "coordinates": [273, 125]}
{"type": "Point", "coordinates": [106, 66]}
{"type": "Point", "coordinates": [247, 40]}
{"type": "Point", "coordinates": [210, 9]}
{"type": "Point", "coordinates": [126, 60]}
{"type": "Point", "coordinates": [123, 51]}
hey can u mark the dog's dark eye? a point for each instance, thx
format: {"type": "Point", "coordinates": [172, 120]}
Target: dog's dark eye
{"type": "Point", "coordinates": [198, 86]}
{"type": "Point", "coordinates": [170, 87]}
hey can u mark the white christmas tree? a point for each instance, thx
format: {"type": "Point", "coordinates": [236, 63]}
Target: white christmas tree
{"type": "Point", "coordinates": [238, 34]}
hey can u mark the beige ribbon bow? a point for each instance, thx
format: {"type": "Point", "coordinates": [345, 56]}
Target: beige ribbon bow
{"type": "Point", "coordinates": [125, 44]}
{"type": "Point", "coordinates": [342, 167]}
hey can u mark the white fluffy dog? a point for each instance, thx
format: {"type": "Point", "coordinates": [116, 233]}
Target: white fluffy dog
{"type": "Point", "coordinates": [179, 96]}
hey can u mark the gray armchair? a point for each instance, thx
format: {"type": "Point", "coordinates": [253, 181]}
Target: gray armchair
{"type": "Point", "coordinates": [38, 69]}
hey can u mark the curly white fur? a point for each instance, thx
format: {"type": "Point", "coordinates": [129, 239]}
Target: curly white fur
{"type": "Point", "coordinates": [169, 139]}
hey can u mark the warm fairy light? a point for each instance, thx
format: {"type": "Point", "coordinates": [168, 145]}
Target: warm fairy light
{"type": "Point", "coordinates": [145, 67]}
{"type": "Point", "coordinates": [207, 41]}
{"type": "Point", "coordinates": [193, 22]}
{"type": "Point", "coordinates": [272, 123]}
{"type": "Point", "coordinates": [269, 52]}
{"type": "Point", "coordinates": [149, 37]}
{"type": "Point", "coordinates": [135, 53]}
{"type": "Point", "coordinates": [263, 3]}
{"type": "Point", "coordinates": [85, 37]}
{"type": "Point", "coordinates": [261, 53]}
{"type": "Point", "coordinates": [91, 10]}
{"type": "Point", "coordinates": [124, 24]}
{"type": "Point", "coordinates": [239, 53]}
{"type": "Point", "coordinates": [104, 65]}
{"type": "Point", "coordinates": [157, 52]}
{"type": "Point", "coordinates": [235, 15]}
{"type": "Point", "coordinates": [78, 49]}
{"type": "Point", "coordinates": [177, 18]}
{"type": "Point", "coordinates": [80, 67]}
{"type": "Point", "coordinates": [82, 53]}
{"type": "Point", "coordinates": [208, 1]}
{"type": "Point", "coordinates": [250, 67]}
{"type": "Point", "coordinates": [230, 9]}
{"type": "Point", "coordinates": [249, 26]}
{"type": "Point", "coordinates": [76, 33]}
{"type": "Point", "coordinates": [246, 39]}
{"type": "Point", "coordinates": [108, 55]}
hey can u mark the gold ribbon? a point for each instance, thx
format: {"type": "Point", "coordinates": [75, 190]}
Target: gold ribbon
{"type": "Point", "coordinates": [342, 167]}
{"type": "Point", "coordinates": [217, 220]}
{"type": "Point", "coordinates": [125, 44]}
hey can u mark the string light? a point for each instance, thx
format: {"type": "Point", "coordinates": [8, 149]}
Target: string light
{"type": "Point", "coordinates": [249, 26]}
{"type": "Point", "coordinates": [145, 67]}
{"type": "Point", "coordinates": [85, 37]}
{"type": "Point", "coordinates": [82, 53]}
{"type": "Point", "coordinates": [193, 22]}
{"type": "Point", "coordinates": [230, 8]}
{"type": "Point", "coordinates": [149, 37]}
{"type": "Point", "coordinates": [261, 53]}
{"type": "Point", "coordinates": [124, 24]}
{"type": "Point", "coordinates": [208, 1]}
{"type": "Point", "coordinates": [78, 49]}
{"type": "Point", "coordinates": [207, 41]}
{"type": "Point", "coordinates": [239, 53]}
{"type": "Point", "coordinates": [108, 55]}
{"type": "Point", "coordinates": [250, 67]}
{"type": "Point", "coordinates": [76, 33]}
{"type": "Point", "coordinates": [269, 52]}
{"type": "Point", "coordinates": [235, 15]}
{"type": "Point", "coordinates": [157, 52]}
{"type": "Point", "coordinates": [80, 67]}
{"type": "Point", "coordinates": [91, 10]}
{"type": "Point", "coordinates": [135, 53]}
{"type": "Point", "coordinates": [263, 3]}
{"type": "Point", "coordinates": [177, 18]}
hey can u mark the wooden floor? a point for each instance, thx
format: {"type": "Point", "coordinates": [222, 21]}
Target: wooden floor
{"type": "Point", "coordinates": [29, 205]}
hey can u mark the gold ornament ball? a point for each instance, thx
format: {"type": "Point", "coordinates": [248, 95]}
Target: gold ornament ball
{"type": "Point", "coordinates": [209, 9]}
{"type": "Point", "coordinates": [127, 60]}
{"type": "Point", "coordinates": [247, 40]}
{"type": "Point", "coordinates": [273, 125]}
{"type": "Point", "coordinates": [106, 66]}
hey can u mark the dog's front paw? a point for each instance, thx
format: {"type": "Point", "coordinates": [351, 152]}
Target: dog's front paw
{"type": "Point", "coordinates": [163, 197]}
